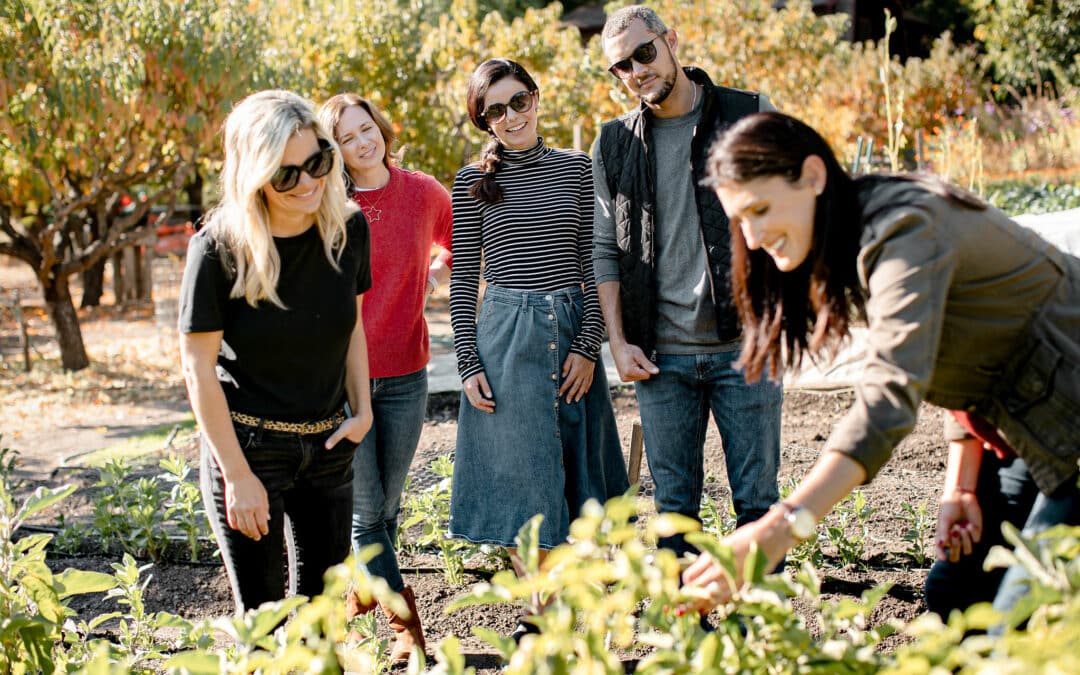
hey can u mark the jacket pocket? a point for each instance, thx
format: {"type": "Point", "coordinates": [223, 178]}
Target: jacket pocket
{"type": "Point", "coordinates": [1045, 399]}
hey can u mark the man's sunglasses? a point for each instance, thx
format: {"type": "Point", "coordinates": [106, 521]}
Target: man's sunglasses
{"type": "Point", "coordinates": [316, 166]}
{"type": "Point", "coordinates": [644, 53]}
{"type": "Point", "coordinates": [521, 102]}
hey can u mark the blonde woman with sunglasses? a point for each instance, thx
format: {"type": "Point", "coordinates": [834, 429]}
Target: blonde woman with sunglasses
{"type": "Point", "coordinates": [273, 350]}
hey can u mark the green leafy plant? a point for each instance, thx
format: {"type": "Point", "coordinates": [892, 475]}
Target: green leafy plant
{"type": "Point", "coordinates": [849, 527]}
{"type": "Point", "coordinates": [110, 521]}
{"type": "Point", "coordinates": [366, 627]}
{"type": "Point", "coordinates": [430, 509]}
{"type": "Point", "coordinates": [1051, 610]}
{"type": "Point", "coordinates": [185, 503]}
{"type": "Point", "coordinates": [70, 536]}
{"type": "Point", "coordinates": [138, 515]}
{"type": "Point", "coordinates": [147, 514]}
{"type": "Point", "coordinates": [138, 646]}
{"type": "Point", "coordinates": [714, 520]}
{"type": "Point", "coordinates": [609, 591]}
{"type": "Point", "coordinates": [9, 460]}
{"type": "Point", "coordinates": [267, 640]}
{"type": "Point", "coordinates": [33, 611]}
{"type": "Point", "coordinates": [919, 523]}
{"type": "Point", "coordinates": [1017, 197]}
{"type": "Point", "coordinates": [808, 551]}
{"type": "Point", "coordinates": [894, 114]}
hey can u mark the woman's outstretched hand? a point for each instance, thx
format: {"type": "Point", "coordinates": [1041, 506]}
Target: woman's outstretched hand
{"type": "Point", "coordinates": [707, 580]}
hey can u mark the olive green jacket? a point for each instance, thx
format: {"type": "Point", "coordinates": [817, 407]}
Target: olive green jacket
{"type": "Point", "coordinates": [970, 311]}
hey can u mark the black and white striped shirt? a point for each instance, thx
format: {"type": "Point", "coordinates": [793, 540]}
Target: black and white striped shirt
{"type": "Point", "coordinates": [539, 238]}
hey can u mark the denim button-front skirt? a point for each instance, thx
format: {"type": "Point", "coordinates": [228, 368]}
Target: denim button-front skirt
{"type": "Point", "coordinates": [536, 453]}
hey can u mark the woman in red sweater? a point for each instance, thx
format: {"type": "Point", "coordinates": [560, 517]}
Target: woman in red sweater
{"type": "Point", "coordinates": [407, 212]}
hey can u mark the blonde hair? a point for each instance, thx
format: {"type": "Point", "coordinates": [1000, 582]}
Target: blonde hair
{"type": "Point", "coordinates": [256, 133]}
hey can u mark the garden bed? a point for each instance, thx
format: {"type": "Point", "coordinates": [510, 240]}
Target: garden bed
{"type": "Point", "coordinates": [913, 477]}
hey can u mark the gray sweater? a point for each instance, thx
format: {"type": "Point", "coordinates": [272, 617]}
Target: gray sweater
{"type": "Point", "coordinates": [686, 322]}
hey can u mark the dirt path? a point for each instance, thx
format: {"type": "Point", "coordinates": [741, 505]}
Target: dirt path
{"type": "Point", "coordinates": [132, 386]}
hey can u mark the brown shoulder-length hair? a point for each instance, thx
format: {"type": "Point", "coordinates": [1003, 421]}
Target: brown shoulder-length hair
{"type": "Point", "coordinates": [810, 309]}
{"type": "Point", "coordinates": [330, 114]}
{"type": "Point", "coordinates": [486, 190]}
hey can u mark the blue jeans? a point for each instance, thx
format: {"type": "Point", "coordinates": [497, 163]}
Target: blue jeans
{"type": "Point", "coordinates": [674, 406]}
{"type": "Point", "coordinates": [1063, 507]}
{"type": "Point", "coordinates": [381, 464]}
{"type": "Point", "coordinates": [310, 493]}
{"type": "Point", "coordinates": [1006, 492]}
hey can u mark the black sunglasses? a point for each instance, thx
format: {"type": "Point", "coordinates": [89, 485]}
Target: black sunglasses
{"type": "Point", "coordinates": [521, 102]}
{"type": "Point", "coordinates": [644, 53]}
{"type": "Point", "coordinates": [316, 166]}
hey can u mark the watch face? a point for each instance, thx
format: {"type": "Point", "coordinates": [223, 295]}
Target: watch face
{"type": "Point", "coordinates": [803, 523]}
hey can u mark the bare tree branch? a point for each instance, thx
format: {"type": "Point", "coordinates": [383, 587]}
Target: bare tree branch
{"type": "Point", "coordinates": [118, 235]}
{"type": "Point", "coordinates": [22, 247]}
{"type": "Point", "coordinates": [17, 252]}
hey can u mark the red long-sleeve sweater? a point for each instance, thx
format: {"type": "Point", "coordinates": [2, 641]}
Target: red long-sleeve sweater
{"type": "Point", "coordinates": [406, 216]}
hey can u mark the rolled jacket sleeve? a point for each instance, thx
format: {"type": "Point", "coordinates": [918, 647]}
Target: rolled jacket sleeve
{"type": "Point", "coordinates": [906, 268]}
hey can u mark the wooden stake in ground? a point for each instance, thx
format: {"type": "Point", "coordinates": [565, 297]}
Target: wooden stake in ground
{"type": "Point", "coordinates": [633, 463]}
{"type": "Point", "coordinates": [24, 337]}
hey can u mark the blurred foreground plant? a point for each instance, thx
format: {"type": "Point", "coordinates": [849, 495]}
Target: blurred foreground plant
{"type": "Point", "coordinates": [1050, 611]}
{"type": "Point", "coordinates": [610, 592]}
{"type": "Point", "coordinates": [33, 613]}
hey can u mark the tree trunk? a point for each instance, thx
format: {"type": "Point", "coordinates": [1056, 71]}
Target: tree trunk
{"type": "Point", "coordinates": [93, 284]}
{"type": "Point", "coordinates": [119, 282]}
{"type": "Point", "coordinates": [93, 277]}
{"type": "Point", "coordinates": [145, 283]}
{"type": "Point", "coordinates": [194, 190]}
{"type": "Point", "coordinates": [131, 276]}
{"type": "Point", "coordinates": [66, 324]}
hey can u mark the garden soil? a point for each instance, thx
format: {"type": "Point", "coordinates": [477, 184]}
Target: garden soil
{"type": "Point", "coordinates": [134, 384]}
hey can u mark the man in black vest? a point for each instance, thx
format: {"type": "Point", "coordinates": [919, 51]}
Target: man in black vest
{"type": "Point", "coordinates": [661, 256]}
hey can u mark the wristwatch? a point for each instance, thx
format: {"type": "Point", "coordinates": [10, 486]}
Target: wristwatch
{"type": "Point", "coordinates": [802, 523]}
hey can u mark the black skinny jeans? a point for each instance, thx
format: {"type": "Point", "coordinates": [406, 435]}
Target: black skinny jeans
{"type": "Point", "coordinates": [310, 494]}
{"type": "Point", "coordinates": [1006, 492]}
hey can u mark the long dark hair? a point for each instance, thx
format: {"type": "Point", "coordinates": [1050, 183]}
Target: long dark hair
{"type": "Point", "coordinates": [810, 309]}
{"type": "Point", "coordinates": [486, 190]}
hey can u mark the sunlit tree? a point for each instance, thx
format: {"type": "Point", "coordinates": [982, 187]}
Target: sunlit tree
{"type": "Point", "coordinates": [99, 99]}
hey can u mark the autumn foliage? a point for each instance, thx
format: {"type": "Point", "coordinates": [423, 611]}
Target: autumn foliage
{"type": "Point", "coordinates": [109, 97]}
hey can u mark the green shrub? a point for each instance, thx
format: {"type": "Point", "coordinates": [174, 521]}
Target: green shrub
{"type": "Point", "coordinates": [1029, 42]}
{"type": "Point", "coordinates": [1017, 197]}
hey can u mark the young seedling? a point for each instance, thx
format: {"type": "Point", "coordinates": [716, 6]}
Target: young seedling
{"type": "Point", "coordinates": [919, 523]}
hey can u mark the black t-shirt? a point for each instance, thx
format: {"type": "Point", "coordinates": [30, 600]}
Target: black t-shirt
{"type": "Point", "coordinates": [281, 364]}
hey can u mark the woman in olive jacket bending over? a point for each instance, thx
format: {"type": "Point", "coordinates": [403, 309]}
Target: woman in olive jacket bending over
{"type": "Point", "coordinates": [965, 309]}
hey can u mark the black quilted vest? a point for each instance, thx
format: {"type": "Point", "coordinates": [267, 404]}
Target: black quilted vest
{"type": "Point", "coordinates": [631, 177]}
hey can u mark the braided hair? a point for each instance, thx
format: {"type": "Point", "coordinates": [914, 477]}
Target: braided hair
{"type": "Point", "coordinates": [486, 190]}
